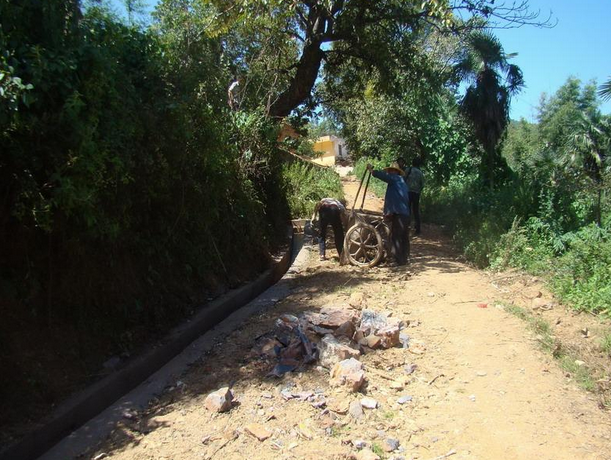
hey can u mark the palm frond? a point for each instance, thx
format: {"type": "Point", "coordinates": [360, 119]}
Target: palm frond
{"type": "Point", "coordinates": [515, 79]}
{"type": "Point", "coordinates": [488, 48]}
{"type": "Point", "coordinates": [604, 90]}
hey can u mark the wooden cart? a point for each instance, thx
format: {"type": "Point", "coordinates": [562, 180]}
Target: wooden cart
{"type": "Point", "coordinates": [366, 241]}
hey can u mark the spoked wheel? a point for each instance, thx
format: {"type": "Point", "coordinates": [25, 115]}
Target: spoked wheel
{"type": "Point", "coordinates": [363, 245]}
{"type": "Point", "coordinates": [384, 229]}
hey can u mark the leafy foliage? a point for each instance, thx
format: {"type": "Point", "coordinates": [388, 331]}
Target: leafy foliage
{"type": "Point", "coordinates": [306, 184]}
{"type": "Point", "coordinates": [551, 218]}
{"type": "Point", "coordinates": [130, 192]}
{"type": "Point", "coordinates": [486, 101]}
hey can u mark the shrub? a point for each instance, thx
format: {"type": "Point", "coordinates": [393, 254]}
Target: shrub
{"type": "Point", "coordinates": [305, 184]}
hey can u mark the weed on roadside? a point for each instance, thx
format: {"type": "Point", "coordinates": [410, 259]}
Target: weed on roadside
{"type": "Point", "coordinates": [568, 361]}
{"type": "Point", "coordinates": [605, 344]}
{"type": "Point", "coordinates": [538, 325]}
{"type": "Point", "coordinates": [338, 430]}
{"type": "Point", "coordinates": [377, 449]}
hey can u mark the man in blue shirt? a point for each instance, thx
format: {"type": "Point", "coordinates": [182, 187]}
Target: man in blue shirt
{"type": "Point", "coordinates": [396, 210]}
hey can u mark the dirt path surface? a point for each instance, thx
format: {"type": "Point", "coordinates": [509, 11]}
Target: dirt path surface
{"type": "Point", "coordinates": [471, 385]}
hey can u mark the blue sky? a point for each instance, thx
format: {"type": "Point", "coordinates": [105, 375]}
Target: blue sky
{"type": "Point", "coordinates": [579, 45]}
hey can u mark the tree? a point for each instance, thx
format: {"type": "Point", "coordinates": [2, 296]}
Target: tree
{"type": "Point", "coordinates": [559, 113]}
{"type": "Point", "coordinates": [589, 146]}
{"type": "Point", "coordinates": [521, 145]}
{"type": "Point", "coordinates": [134, 8]}
{"type": "Point", "coordinates": [605, 90]}
{"type": "Point", "coordinates": [336, 30]}
{"type": "Point", "coordinates": [486, 102]}
{"type": "Point", "coordinates": [565, 156]}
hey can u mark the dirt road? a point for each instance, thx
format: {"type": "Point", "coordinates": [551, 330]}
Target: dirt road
{"type": "Point", "coordinates": [480, 387]}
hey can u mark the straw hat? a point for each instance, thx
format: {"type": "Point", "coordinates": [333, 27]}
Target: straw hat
{"type": "Point", "coordinates": [395, 167]}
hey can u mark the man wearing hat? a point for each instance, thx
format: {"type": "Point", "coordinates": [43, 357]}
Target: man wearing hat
{"type": "Point", "coordinates": [396, 209]}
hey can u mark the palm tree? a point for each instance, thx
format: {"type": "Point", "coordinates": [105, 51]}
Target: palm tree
{"type": "Point", "coordinates": [604, 90]}
{"type": "Point", "coordinates": [589, 145]}
{"type": "Point", "coordinates": [492, 81]}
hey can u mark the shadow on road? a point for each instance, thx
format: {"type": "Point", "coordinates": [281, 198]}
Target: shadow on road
{"type": "Point", "coordinates": [233, 360]}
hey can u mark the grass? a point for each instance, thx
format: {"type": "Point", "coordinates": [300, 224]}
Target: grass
{"type": "Point", "coordinates": [338, 431]}
{"type": "Point", "coordinates": [605, 343]}
{"type": "Point", "coordinates": [567, 360]}
{"type": "Point", "coordinates": [345, 288]}
{"type": "Point", "coordinates": [377, 449]}
{"type": "Point", "coordinates": [581, 374]}
{"type": "Point", "coordinates": [537, 325]}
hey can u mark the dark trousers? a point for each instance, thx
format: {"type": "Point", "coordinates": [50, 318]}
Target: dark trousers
{"type": "Point", "coordinates": [330, 216]}
{"type": "Point", "coordinates": [414, 204]}
{"type": "Point", "coordinates": [399, 238]}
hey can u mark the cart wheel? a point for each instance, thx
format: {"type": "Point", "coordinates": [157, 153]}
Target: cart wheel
{"type": "Point", "coordinates": [363, 245]}
{"type": "Point", "coordinates": [382, 227]}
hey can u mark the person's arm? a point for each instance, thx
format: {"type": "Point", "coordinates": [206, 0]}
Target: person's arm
{"type": "Point", "coordinates": [382, 175]}
{"type": "Point", "coordinates": [315, 212]}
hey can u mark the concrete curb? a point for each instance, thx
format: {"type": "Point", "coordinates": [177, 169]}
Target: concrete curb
{"type": "Point", "coordinates": [87, 404]}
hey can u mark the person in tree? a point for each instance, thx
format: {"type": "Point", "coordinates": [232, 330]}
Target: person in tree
{"type": "Point", "coordinates": [233, 93]}
{"type": "Point", "coordinates": [415, 183]}
{"type": "Point", "coordinates": [330, 212]}
{"type": "Point", "coordinates": [396, 210]}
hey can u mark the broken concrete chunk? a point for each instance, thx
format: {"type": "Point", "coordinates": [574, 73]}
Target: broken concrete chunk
{"type": "Point", "coordinates": [372, 321]}
{"type": "Point", "coordinates": [332, 350]}
{"type": "Point", "coordinates": [373, 341]}
{"type": "Point", "coordinates": [356, 410]}
{"type": "Point", "coordinates": [219, 401]}
{"type": "Point", "coordinates": [390, 445]}
{"type": "Point", "coordinates": [369, 403]}
{"type": "Point", "coordinates": [357, 300]}
{"type": "Point", "coordinates": [332, 317]}
{"type": "Point", "coordinates": [359, 443]}
{"type": "Point", "coordinates": [367, 454]}
{"type": "Point", "coordinates": [348, 373]}
{"type": "Point", "coordinates": [258, 431]}
{"type": "Point", "coordinates": [389, 336]}
{"type": "Point", "coordinates": [345, 330]}
{"type": "Point", "coordinates": [404, 399]}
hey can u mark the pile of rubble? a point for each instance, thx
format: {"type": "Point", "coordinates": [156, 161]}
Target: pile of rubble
{"type": "Point", "coordinates": [335, 337]}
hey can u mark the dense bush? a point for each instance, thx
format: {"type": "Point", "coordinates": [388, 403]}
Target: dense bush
{"type": "Point", "coordinates": [577, 264]}
{"type": "Point", "coordinates": [130, 192]}
{"type": "Point", "coordinates": [544, 217]}
{"type": "Point", "coordinates": [108, 152]}
{"type": "Point", "coordinates": [306, 184]}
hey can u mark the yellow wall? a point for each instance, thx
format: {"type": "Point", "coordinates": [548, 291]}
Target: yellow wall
{"type": "Point", "coordinates": [325, 145]}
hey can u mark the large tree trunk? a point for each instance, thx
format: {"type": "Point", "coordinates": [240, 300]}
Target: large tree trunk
{"type": "Point", "coordinates": [302, 83]}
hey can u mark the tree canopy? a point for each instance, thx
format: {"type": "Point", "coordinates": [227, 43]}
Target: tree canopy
{"type": "Point", "coordinates": [295, 38]}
